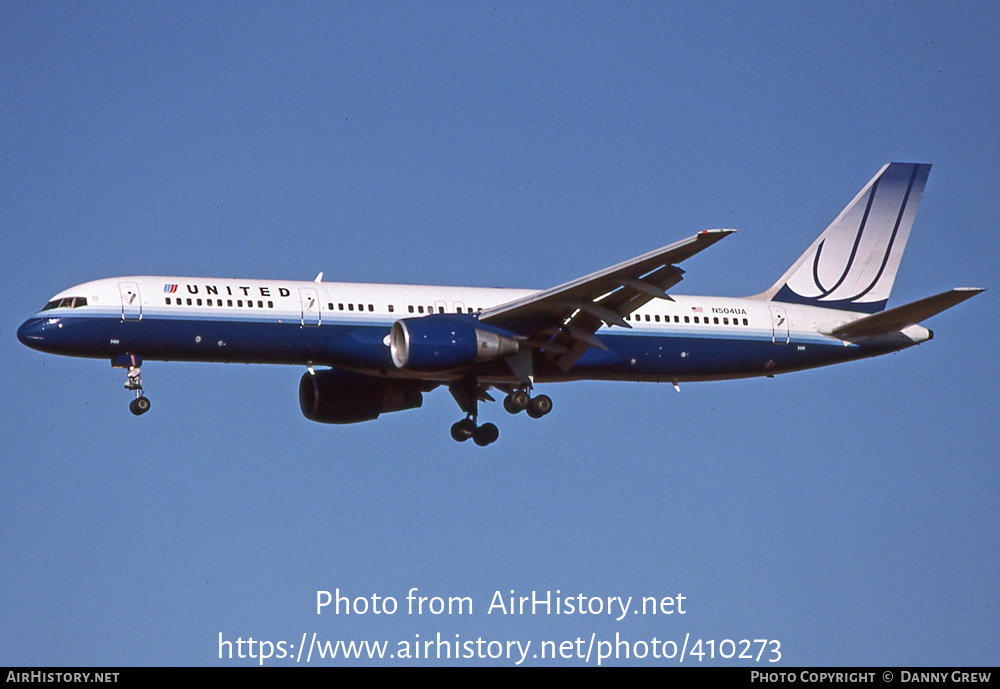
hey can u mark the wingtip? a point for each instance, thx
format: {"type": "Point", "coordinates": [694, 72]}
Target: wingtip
{"type": "Point", "coordinates": [969, 292]}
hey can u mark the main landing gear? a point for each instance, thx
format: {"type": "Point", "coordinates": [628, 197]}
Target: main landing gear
{"type": "Point", "coordinates": [140, 405]}
{"type": "Point", "coordinates": [519, 400]}
{"type": "Point", "coordinates": [468, 393]}
{"type": "Point", "coordinates": [481, 435]}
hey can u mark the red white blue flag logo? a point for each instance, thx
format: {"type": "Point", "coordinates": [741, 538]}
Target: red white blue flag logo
{"type": "Point", "coordinates": [170, 289]}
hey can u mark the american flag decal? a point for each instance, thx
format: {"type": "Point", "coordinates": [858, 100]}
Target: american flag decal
{"type": "Point", "coordinates": [170, 289]}
{"type": "Point", "coordinates": [696, 309]}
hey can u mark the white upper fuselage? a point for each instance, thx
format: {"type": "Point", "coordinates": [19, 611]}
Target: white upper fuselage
{"type": "Point", "coordinates": [344, 303]}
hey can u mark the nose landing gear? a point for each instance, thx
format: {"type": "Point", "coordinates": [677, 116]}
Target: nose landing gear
{"type": "Point", "coordinates": [140, 405]}
{"type": "Point", "coordinates": [133, 381]}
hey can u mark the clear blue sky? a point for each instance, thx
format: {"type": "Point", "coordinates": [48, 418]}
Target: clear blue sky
{"type": "Point", "coordinates": [850, 512]}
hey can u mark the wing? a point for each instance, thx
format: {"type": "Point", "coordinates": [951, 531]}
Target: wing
{"type": "Point", "coordinates": [562, 321]}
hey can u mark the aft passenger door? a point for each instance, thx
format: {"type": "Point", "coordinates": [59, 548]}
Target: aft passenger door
{"type": "Point", "coordinates": [131, 302]}
{"type": "Point", "coordinates": [779, 325]}
{"type": "Point", "coordinates": [310, 306]}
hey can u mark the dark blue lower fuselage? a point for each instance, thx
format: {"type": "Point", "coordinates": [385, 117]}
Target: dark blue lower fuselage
{"type": "Point", "coordinates": [642, 355]}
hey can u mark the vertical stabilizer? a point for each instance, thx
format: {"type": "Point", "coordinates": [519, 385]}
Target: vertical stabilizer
{"type": "Point", "coordinates": [853, 263]}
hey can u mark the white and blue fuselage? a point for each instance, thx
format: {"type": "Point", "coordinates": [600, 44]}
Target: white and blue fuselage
{"type": "Point", "coordinates": [347, 325]}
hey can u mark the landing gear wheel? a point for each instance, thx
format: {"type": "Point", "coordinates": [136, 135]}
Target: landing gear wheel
{"type": "Point", "coordinates": [517, 401]}
{"type": "Point", "coordinates": [486, 434]}
{"type": "Point", "coordinates": [463, 430]}
{"type": "Point", "coordinates": [139, 406]}
{"type": "Point", "coordinates": [539, 406]}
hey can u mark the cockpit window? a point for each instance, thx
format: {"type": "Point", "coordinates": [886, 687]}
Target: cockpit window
{"type": "Point", "coordinates": [66, 303]}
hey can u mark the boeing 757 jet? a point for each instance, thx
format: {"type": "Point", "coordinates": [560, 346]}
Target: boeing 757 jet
{"type": "Point", "coordinates": [370, 349]}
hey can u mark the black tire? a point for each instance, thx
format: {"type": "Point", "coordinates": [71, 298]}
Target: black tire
{"type": "Point", "coordinates": [463, 430]}
{"type": "Point", "coordinates": [142, 404]}
{"type": "Point", "coordinates": [540, 406]}
{"type": "Point", "coordinates": [486, 434]}
{"type": "Point", "coordinates": [516, 402]}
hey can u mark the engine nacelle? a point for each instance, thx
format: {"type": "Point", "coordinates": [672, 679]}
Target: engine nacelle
{"type": "Point", "coordinates": [440, 343]}
{"type": "Point", "coordinates": [336, 396]}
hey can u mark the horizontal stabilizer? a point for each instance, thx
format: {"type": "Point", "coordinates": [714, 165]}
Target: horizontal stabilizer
{"type": "Point", "coordinates": [903, 316]}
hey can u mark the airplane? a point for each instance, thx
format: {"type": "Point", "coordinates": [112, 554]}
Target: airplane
{"type": "Point", "coordinates": [370, 349]}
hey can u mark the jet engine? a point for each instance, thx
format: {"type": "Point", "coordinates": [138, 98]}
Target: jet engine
{"type": "Point", "coordinates": [443, 343]}
{"type": "Point", "coordinates": [336, 396]}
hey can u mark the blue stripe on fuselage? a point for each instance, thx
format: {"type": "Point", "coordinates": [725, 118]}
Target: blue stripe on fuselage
{"type": "Point", "coordinates": [633, 354]}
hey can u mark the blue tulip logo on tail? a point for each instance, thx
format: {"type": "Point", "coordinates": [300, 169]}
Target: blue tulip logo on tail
{"type": "Point", "coordinates": [853, 263]}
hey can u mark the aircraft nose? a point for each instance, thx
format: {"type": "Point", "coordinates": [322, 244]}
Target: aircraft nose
{"type": "Point", "coordinates": [30, 332]}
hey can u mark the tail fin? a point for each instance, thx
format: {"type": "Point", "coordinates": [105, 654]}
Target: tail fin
{"type": "Point", "coordinates": [853, 264]}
